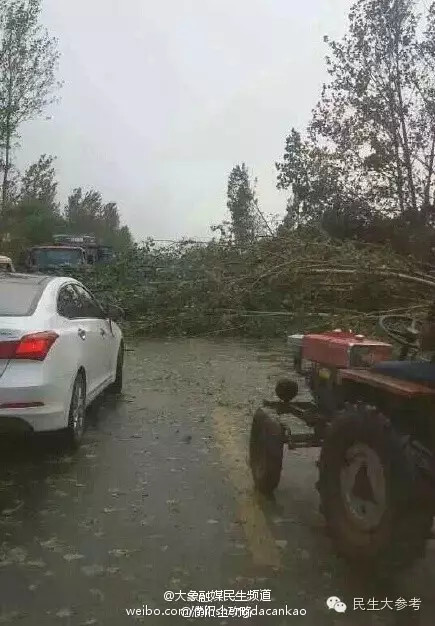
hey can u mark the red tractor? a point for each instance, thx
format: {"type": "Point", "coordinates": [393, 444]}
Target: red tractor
{"type": "Point", "coordinates": [373, 419]}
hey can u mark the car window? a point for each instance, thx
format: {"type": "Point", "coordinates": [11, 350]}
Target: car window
{"type": "Point", "coordinates": [88, 305]}
{"type": "Point", "coordinates": [68, 303]}
{"type": "Point", "coordinates": [18, 298]}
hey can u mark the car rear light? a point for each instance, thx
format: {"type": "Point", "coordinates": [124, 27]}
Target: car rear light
{"type": "Point", "coordinates": [33, 347]}
{"type": "Point", "coordinates": [8, 349]}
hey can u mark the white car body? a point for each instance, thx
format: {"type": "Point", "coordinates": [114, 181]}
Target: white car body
{"type": "Point", "coordinates": [36, 394]}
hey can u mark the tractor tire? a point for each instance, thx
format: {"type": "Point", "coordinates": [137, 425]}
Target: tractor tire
{"type": "Point", "coordinates": [266, 451]}
{"type": "Point", "coordinates": [385, 525]}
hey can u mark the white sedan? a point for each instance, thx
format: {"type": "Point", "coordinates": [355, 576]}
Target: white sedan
{"type": "Point", "coordinates": [59, 349]}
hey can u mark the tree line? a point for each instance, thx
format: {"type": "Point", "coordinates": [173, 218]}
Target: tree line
{"type": "Point", "coordinates": [34, 215]}
{"type": "Point", "coordinates": [364, 168]}
{"type": "Point", "coordinates": [29, 210]}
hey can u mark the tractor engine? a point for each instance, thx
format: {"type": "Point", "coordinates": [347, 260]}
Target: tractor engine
{"type": "Point", "coordinates": [327, 353]}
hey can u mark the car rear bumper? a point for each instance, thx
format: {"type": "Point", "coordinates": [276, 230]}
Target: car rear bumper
{"type": "Point", "coordinates": [36, 419]}
{"type": "Point", "coordinates": [17, 395]}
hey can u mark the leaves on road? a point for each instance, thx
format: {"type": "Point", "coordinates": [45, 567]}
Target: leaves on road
{"type": "Point", "coordinates": [119, 553]}
{"type": "Point", "coordinates": [63, 613]}
{"type": "Point", "coordinates": [92, 570]}
{"type": "Point", "coordinates": [73, 557]}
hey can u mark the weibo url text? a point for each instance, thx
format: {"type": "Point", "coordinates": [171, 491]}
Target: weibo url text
{"type": "Point", "coordinates": [203, 611]}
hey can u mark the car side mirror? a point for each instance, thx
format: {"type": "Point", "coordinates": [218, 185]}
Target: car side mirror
{"type": "Point", "coordinates": [114, 312]}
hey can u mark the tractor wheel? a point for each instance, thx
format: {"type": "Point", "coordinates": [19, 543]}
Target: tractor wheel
{"type": "Point", "coordinates": [369, 486]}
{"type": "Point", "coordinates": [265, 451]}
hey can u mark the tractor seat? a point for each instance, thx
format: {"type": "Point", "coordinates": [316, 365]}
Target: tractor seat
{"type": "Point", "coordinates": [422, 372]}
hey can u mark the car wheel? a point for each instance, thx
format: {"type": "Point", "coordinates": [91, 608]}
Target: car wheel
{"type": "Point", "coordinates": [265, 452]}
{"type": "Point", "coordinates": [116, 386]}
{"type": "Point", "coordinates": [371, 492]}
{"type": "Point", "coordinates": [77, 413]}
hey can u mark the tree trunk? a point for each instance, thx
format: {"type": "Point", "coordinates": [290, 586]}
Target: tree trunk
{"type": "Point", "coordinates": [426, 199]}
{"type": "Point", "coordinates": [396, 143]}
{"type": "Point", "coordinates": [407, 151]}
{"type": "Point", "coordinates": [8, 129]}
{"type": "Point", "coordinates": [401, 113]}
{"type": "Point", "coordinates": [7, 163]}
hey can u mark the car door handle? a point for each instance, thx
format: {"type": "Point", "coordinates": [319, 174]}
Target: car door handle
{"type": "Point", "coordinates": [81, 333]}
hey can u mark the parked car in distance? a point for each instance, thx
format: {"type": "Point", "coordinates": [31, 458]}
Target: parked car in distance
{"type": "Point", "coordinates": [6, 264]}
{"type": "Point", "coordinates": [59, 350]}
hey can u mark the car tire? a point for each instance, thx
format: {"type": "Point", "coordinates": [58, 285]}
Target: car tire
{"type": "Point", "coordinates": [77, 413]}
{"type": "Point", "coordinates": [266, 451]}
{"type": "Point", "coordinates": [384, 525]}
{"type": "Point", "coordinates": [116, 386]}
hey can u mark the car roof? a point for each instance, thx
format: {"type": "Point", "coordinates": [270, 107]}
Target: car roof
{"type": "Point", "coordinates": [42, 284]}
{"type": "Point", "coordinates": [38, 282]}
{"type": "Point", "coordinates": [30, 279]}
{"type": "Point", "coordinates": [38, 279]}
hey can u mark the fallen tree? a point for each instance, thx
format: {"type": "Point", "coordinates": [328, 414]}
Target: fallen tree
{"type": "Point", "coordinates": [267, 288]}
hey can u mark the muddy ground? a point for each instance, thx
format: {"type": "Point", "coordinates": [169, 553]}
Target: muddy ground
{"type": "Point", "coordinates": [160, 498]}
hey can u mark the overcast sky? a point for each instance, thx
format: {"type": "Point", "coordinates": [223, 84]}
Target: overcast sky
{"type": "Point", "coordinates": [162, 98]}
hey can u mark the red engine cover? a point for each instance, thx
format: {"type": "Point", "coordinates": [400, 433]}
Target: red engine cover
{"type": "Point", "coordinates": [344, 349]}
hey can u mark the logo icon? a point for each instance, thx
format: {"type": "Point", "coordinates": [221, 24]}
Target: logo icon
{"type": "Point", "coordinates": [334, 603]}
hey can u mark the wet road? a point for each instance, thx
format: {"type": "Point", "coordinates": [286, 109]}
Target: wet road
{"type": "Point", "coordinates": [159, 498]}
